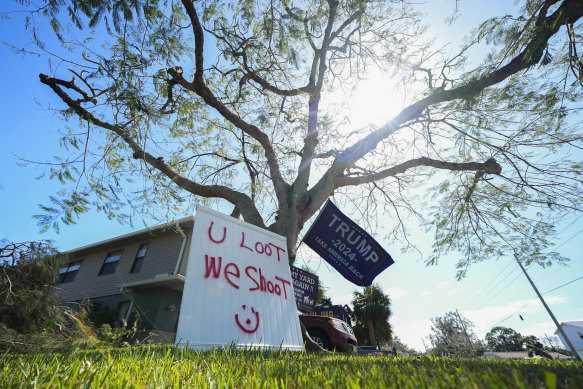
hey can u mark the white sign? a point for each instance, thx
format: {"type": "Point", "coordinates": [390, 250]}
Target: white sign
{"type": "Point", "coordinates": [238, 288]}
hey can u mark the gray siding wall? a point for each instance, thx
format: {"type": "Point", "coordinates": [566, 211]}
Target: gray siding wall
{"type": "Point", "coordinates": [160, 259]}
{"type": "Point", "coordinates": [184, 263]}
{"type": "Point", "coordinates": [153, 304]}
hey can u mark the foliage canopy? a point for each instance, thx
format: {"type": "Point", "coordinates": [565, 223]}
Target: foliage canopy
{"type": "Point", "coordinates": [182, 102]}
{"type": "Point", "coordinates": [452, 335]}
{"type": "Point", "coordinates": [372, 309]}
{"type": "Point", "coordinates": [503, 339]}
{"type": "Point", "coordinates": [27, 302]}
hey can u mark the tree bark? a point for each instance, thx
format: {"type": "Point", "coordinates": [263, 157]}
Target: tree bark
{"type": "Point", "coordinates": [371, 334]}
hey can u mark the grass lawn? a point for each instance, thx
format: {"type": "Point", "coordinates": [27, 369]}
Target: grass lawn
{"type": "Point", "coordinates": [163, 367]}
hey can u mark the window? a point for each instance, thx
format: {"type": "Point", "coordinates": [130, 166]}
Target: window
{"type": "Point", "coordinates": [68, 273]}
{"type": "Point", "coordinates": [139, 258]}
{"type": "Point", "coordinates": [110, 262]}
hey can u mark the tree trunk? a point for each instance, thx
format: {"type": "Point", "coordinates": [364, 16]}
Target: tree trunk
{"type": "Point", "coordinates": [371, 334]}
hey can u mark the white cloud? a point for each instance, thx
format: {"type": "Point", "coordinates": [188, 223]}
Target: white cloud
{"type": "Point", "coordinates": [541, 329]}
{"type": "Point", "coordinates": [345, 296]}
{"type": "Point", "coordinates": [456, 290]}
{"type": "Point", "coordinates": [396, 292]}
{"type": "Point", "coordinates": [487, 317]}
{"type": "Point", "coordinates": [342, 297]}
{"type": "Point", "coordinates": [438, 287]}
{"type": "Point", "coordinates": [412, 332]}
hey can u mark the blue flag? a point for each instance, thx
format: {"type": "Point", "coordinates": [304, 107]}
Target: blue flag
{"type": "Point", "coordinates": [347, 247]}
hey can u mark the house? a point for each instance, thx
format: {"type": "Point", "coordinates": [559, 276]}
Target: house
{"type": "Point", "coordinates": [574, 331]}
{"type": "Point", "coordinates": [520, 355]}
{"type": "Point", "coordinates": [144, 270]}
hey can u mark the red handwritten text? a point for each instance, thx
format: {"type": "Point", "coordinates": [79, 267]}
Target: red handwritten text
{"type": "Point", "coordinates": [267, 286]}
{"type": "Point", "coordinates": [262, 248]}
{"type": "Point", "coordinates": [209, 266]}
{"type": "Point", "coordinates": [211, 235]}
{"type": "Point", "coordinates": [247, 325]}
{"type": "Point", "coordinates": [232, 274]}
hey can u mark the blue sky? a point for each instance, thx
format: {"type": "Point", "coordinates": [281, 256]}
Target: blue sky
{"type": "Point", "coordinates": [494, 292]}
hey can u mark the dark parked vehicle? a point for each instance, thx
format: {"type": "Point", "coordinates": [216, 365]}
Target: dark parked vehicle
{"type": "Point", "coordinates": [371, 350]}
{"type": "Point", "coordinates": [330, 333]}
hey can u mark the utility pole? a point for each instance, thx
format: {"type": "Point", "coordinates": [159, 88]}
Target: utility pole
{"type": "Point", "coordinates": [559, 328]}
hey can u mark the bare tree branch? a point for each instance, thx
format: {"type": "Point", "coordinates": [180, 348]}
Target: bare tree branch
{"type": "Point", "coordinates": [568, 12]}
{"type": "Point", "coordinates": [236, 198]}
{"type": "Point", "coordinates": [199, 87]}
{"type": "Point", "coordinates": [490, 166]}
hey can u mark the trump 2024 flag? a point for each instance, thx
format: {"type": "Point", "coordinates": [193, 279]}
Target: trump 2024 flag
{"type": "Point", "coordinates": [347, 247]}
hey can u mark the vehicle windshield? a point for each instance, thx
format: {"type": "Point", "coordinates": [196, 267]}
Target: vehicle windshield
{"type": "Point", "coordinates": [342, 326]}
{"type": "Point", "coordinates": [348, 328]}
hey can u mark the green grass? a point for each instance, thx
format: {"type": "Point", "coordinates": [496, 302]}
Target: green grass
{"type": "Point", "coordinates": [163, 367]}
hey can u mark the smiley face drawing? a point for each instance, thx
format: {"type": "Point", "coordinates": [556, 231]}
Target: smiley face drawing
{"type": "Point", "coordinates": [248, 326]}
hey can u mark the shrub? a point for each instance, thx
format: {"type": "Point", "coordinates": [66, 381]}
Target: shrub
{"type": "Point", "coordinates": [27, 277]}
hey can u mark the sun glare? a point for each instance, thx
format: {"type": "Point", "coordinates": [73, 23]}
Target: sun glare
{"type": "Point", "coordinates": [371, 104]}
{"type": "Point", "coordinates": [375, 101]}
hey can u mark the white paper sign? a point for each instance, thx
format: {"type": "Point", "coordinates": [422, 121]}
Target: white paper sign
{"type": "Point", "coordinates": [238, 288]}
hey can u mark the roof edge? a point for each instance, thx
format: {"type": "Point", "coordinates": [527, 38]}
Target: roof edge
{"type": "Point", "coordinates": [131, 235]}
{"type": "Point", "coordinates": [155, 280]}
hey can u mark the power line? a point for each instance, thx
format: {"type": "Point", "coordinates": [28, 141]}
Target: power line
{"type": "Point", "coordinates": [507, 317]}
{"type": "Point", "coordinates": [568, 225]}
{"type": "Point", "coordinates": [534, 299]}
{"type": "Point", "coordinates": [494, 289]}
{"type": "Point", "coordinates": [559, 287]}
{"type": "Point", "coordinates": [485, 288]}
{"type": "Point", "coordinates": [478, 298]}
{"type": "Point", "coordinates": [499, 290]}
{"type": "Point", "coordinates": [574, 235]}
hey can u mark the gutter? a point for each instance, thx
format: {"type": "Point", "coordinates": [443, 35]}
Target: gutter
{"type": "Point", "coordinates": [130, 235]}
{"type": "Point", "coordinates": [124, 289]}
{"type": "Point", "coordinates": [179, 259]}
{"type": "Point", "coordinates": [161, 278]}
